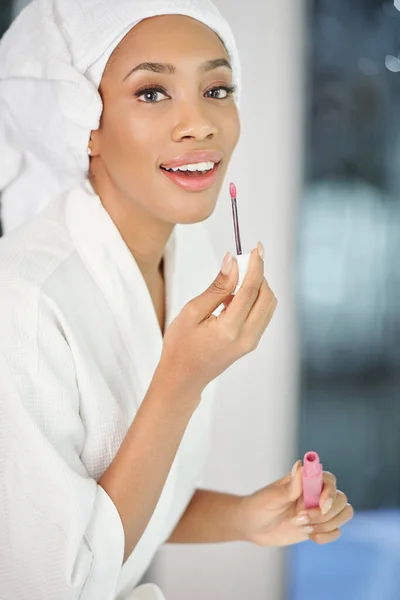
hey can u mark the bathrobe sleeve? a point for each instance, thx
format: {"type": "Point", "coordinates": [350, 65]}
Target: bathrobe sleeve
{"type": "Point", "coordinates": [61, 536]}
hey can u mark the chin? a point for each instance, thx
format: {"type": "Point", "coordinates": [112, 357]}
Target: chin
{"type": "Point", "coordinates": [199, 212]}
{"type": "Point", "coordinates": [195, 219]}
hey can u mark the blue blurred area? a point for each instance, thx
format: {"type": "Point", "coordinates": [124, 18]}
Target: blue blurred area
{"type": "Point", "coordinates": [364, 564]}
{"type": "Point", "coordinates": [348, 281]}
{"type": "Point", "coordinates": [348, 275]}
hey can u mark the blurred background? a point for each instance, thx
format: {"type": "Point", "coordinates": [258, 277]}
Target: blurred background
{"type": "Point", "coordinates": [318, 180]}
{"type": "Point", "coordinates": [348, 291]}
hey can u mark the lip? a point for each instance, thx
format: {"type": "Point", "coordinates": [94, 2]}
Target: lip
{"type": "Point", "coordinates": [194, 157]}
{"type": "Point", "coordinates": [195, 184]}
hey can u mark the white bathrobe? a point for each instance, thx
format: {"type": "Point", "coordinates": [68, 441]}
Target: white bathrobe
{"type": "Point", "coordinates": [79, 344]}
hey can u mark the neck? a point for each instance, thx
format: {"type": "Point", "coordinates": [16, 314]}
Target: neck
{"type": "Point", "coordinates": [145, 236]}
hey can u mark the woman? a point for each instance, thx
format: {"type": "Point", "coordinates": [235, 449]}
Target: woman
{"type": "Point", "coordinates": [109, 346]}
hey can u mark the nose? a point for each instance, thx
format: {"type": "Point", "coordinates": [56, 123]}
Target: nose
{"type": "Point", "coordinates": [193, 124]}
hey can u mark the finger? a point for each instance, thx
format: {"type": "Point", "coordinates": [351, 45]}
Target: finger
{"type": "Point", "coordinates": [292, 483]}
{"type": "Point", "coordinates": [328, 494]}
{"type": "Point", "coordinates": [325, 538]}
{"type": "Point", "coordinates": [203, 305]}
{"type": "Point", "coordinates": [296, 484]}
{"type": "Point", "coordinates": [228, 300]}
{"type": "Point", "coordinates": [282, 493]}
{"type": "Point", "coordinates": [260, 316]}
{"type": "Point", "coordinates": [338, 505]}
{"type": "Point", "coordinates": [288, 478]}
{"type": "Point", "coordinates": [243, 301]}
{"type": "Point", "coordinates": [345, 515]}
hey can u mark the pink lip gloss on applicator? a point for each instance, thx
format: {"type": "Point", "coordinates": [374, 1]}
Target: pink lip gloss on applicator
{"type": "Point", "coordinates": [241, 259]}
{"type": "Point", "coordinates": [312, 480]}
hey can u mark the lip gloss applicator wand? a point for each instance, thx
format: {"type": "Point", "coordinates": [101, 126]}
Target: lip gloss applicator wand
{"type": "Point", "coordinates": [241, 259]}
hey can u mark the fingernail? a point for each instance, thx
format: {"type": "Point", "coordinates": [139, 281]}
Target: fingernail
{"type": "Point", "coordinates": [301, 520]}
{"type": "Point", "coordinates": [260, 250]}
{"type": "Point", "coordinates": [226, 264]}
{"type": "Point", "coordinates": [308, 529]}
{"type": "Point", "coordinates": [327, 506]}
{"type": "Point", "coordinates": [295, 467]}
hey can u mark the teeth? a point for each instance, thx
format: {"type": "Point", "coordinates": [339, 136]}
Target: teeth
{"type": "Point", "coordinates": [204, 166]}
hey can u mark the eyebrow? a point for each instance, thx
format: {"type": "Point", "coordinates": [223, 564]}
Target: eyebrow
{"type": "Point", "coordinates": [156, 67]}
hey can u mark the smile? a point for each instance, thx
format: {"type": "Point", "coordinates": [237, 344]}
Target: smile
{"type": "Point", "coordinates": [193, 177]}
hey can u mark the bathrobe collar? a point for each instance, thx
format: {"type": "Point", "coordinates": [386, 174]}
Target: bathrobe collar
{"type": "Point", "coordinates": [117, 274]}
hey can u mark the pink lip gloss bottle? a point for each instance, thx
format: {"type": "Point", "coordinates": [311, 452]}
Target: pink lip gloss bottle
{"type": "Point", "coordinates": [312, 480]}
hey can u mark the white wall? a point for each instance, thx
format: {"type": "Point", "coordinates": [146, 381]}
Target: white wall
{"type": "Point", "coordinates": [255, 426]}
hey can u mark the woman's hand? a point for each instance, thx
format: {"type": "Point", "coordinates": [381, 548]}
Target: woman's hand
{"type": "Point", "coordinates": [275, 515]}
{"type": "Point", "coordinates": [198, 346]}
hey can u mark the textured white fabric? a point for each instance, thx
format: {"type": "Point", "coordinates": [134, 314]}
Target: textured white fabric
{"type": "Point", "coordinates": [48, 106]}
{"type": "Point", "coordinates": [79, 344]}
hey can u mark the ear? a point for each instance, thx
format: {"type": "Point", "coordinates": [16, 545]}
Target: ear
{"type": "Point", "coordinates": [94, 143]}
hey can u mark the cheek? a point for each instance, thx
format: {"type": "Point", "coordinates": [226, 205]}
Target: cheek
{"type": "Point", "coordinates": [130, 136]}
{"type": "Point", "coordinates": [236, 127]}
{"type": "Point", "coordinates": [230, 126]}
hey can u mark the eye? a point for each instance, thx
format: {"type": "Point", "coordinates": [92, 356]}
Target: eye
{"type": "Point", "coordinates": [151, 95]}
{"type": "Point", "coordinates": [221, 92]}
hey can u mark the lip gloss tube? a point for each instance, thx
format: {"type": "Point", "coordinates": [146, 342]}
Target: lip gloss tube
{"type": "Point", "coordinates": [312, 480]}
{"type": "Point", "coordinates": [242, 260]}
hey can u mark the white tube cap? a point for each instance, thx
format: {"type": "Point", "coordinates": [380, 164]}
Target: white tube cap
{"type": "Point", "coordinates": [243, 265]}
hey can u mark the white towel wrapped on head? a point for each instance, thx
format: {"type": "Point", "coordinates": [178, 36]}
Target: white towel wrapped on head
{"type": "Point", "coordinates": [51, 62]}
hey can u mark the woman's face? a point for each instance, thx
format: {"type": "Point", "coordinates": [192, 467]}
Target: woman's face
{"type": "Point", "coordinates": [167, 94]}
